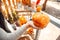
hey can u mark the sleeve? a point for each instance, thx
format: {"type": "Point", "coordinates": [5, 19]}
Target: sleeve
{"type": "Point", "coordinates": [12, 36]}
{"type": "Point", "coordinates": [15, 35]}
{"type": "Point", "coordinates": [3, 34]}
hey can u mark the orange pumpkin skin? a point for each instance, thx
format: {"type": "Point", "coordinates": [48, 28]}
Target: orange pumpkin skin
{"type": "Point", "coordinates": [40, 20]}
{"type": "Point", "coordinates": [30, 30]}
{"type": "Point", "coordinates": [22, 20]}
{"type": "Point", "coordinates": [26, 2]}
{"type": "Point", "coordinates": [38, 9]}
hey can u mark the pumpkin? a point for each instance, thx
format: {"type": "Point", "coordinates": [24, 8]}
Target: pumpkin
{"type": "Point", "coordinates": [26, 2]}
{"type": "Point", "coordinates": [40, 20]}
{"type": "Point", "coordinates": [30, 30]}
{"type": "Point", "coordinates": [38, 9]}
{"type": "Point", "coordinates": [22, 20]}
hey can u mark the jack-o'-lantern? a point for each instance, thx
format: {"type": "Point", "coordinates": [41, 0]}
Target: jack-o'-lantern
{"type": "Point", "coordinates": [40, 20]}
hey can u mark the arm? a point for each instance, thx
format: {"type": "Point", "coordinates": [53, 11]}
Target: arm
{"type": "Point", "coordinates": [3, 34]}
{"type": "Point", "coordinates": [17, 33]}
{"type": "Point", "coordinates": [14, 35]}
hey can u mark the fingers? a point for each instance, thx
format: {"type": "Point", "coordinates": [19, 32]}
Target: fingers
{"type": "Point", "coordinates": [32, 25]}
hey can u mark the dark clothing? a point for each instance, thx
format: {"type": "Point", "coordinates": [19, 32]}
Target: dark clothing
{"type": "Point", "coordinates": [2, 22]}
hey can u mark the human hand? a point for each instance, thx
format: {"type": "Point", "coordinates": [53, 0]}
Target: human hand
{"type": "Point", "coordinates": [31, 24]}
